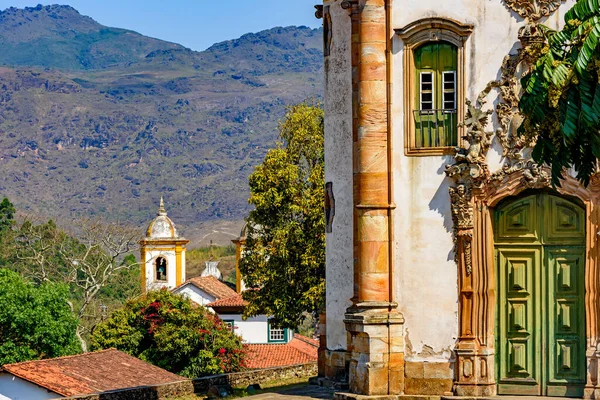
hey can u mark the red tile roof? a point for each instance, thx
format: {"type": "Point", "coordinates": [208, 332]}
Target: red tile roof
{"type": "Point", "coordinates": [296, 351]}
{"type": "Point", "coordinates": [305, 344]}
{"type": "Point", "coordinates": [212, 286]}
{"type": "Point", "coordinates": [233, 301]}
{"type": "Point", "coordinates": [91, 373]}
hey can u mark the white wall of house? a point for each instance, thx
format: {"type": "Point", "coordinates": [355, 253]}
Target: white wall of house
{"type": "Point", "coordinates": [195, 294]}
{"type": "Point", "coordinates": [14, 388]}
{"type": "Point", "coordinates": [425, 273]}
{"type": "Point", "coordinates": [253, 330]}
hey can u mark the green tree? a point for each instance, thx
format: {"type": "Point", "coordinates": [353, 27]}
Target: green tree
{"type": "Point", "coordinates": [94, 265]}
{"type": "Point", "coordinates": [169, 331]}
{"type": "Point", "coordinates": [284, 257]}
{"type": "Point", "coordinates": [561, 97]}
{"type": "Point", "coordinates": [35, 321]}
{"type": "Point", "coordinates": [7, 215]}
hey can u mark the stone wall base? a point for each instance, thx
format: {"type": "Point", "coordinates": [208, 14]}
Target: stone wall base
{"type": "Point", "coordinates": [428, 378]}
{"type": "Point", "coordinates": [333, 365]}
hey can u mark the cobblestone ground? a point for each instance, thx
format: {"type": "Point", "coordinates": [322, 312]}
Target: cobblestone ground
{"type": "Point", "coordinates": [299, 393]}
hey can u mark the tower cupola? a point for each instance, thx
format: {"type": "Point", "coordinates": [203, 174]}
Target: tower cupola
{"type": "Point", "coordinates": [162, 253]}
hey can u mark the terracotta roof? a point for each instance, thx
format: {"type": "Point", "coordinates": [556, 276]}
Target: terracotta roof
{"type": "Point", "coordinates": [232, 301]}
{"type": "Point", "coordinates": [305, 344]}
{"type": "Point", "coordinates": [294, 352]}
{"type": "Point", "coordinates": [212, 286]}
{"type": "Point", "coordinates": [91, 373]}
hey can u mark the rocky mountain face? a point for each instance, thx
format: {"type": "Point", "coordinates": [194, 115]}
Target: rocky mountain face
{"type": "Point", "coordinates": [98, 121]}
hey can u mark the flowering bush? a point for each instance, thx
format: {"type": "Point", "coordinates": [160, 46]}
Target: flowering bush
{"type": "Point", "coordinates": [173, 333]}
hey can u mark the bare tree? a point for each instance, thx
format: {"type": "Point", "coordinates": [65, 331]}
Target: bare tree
{"type": "Point", "coordinates": [87, 263]}
{"type": "Point", "coordinates": [102, 256]}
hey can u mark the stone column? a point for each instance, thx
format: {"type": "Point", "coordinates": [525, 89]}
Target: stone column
{"type": "Point", "coordinates": [375, 337]}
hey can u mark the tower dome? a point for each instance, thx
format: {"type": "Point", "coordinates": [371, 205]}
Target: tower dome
{"type": "Point", "coordinates": [162, 254]}
{"type": "Point", "coordinates": [161, 227]}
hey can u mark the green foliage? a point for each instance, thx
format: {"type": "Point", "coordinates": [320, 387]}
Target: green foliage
{"type": "Point", "coordinates": [225, 255]}
{"type": "Point", "coordinates": [561, 97]}
{"type": "Point", "coordinates": [35, 321]}
{"type": "Point", "coordinates": [284, 257]}
{"type": "Point", "coordinates": [7, 215]}
{"type": "Point", "coordinates": [96, 268]}
{"type": "Point", "coordinates": [169, 331]}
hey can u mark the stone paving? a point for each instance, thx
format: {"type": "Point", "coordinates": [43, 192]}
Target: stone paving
{"type": "Point", "coordinates": [298, 393]}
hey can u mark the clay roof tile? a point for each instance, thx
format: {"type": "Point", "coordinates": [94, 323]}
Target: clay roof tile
{"type": "Point", "coordinates": [212, 286]}
{"type": "Point", "coordinates": [88, 373]}
{"type": "Point", "coordinates": [296, 351]}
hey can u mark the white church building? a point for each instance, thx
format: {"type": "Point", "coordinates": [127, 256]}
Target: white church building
{"type": "Point", "coordinates": [471, 275]}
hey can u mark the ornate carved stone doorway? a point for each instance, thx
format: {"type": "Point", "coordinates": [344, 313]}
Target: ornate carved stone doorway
{"type": "Point", "coordinates": [473, 207]}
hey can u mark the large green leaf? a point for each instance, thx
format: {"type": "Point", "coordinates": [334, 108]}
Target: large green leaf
{"type": "Point", "coordinates": [569, 114]}
{"type": "Point", "coordinates": [589, 45]}
{"type": "Point", "coordinates": [582, 10]}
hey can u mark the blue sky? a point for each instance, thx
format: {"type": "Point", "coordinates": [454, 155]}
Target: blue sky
{"type": "Point", "coordinates": [196, 24]}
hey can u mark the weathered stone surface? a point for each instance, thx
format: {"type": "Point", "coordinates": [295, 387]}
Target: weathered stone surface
{"type": "Point", "coordinates": [258, 376]}
{"type": "Point", "coordinates": [157, 392]}
{"type": "Point", "coordinates": [427, 386]}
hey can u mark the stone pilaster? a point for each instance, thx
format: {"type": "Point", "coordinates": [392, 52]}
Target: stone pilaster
{"type": "Point", "coordinates": [376, 347]}
{"type": "Point", "coordinates": [476, 374]}
{"type": "Point", "coordinates": [592, 386]}
{"type": "Point", "coordinates": [375, 337]}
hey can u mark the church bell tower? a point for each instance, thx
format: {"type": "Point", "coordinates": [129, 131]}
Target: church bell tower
{"type": "Point", "coordinates": [162, 254]}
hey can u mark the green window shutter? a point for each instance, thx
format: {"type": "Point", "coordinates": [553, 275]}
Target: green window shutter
{"type": "Point", "coordinates": [435, 103]}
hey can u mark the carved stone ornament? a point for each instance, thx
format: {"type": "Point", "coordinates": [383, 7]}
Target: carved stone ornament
{"type": "Point", "coordinates": [533, 10]}
{"type": "Point", "coordinates": [319, 11]}
{"type": "Point", "coordinates": [470, 171]}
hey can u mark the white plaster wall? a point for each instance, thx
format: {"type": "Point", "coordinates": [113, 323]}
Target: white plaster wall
{"type": "Point", "coordinates": [252, 330]}
{"type": "Point", "coordinates": [338, 170]}
{"type": "Point", "coordinates": [198, 296]}
{"type": "Point", "coordinates": [426, 275]}
{"type": "Point", "coordinates": [151, 255]}
{"type": "Point", "coordinates": [14, 388]}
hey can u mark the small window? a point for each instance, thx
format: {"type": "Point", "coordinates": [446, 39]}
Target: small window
{"type": "Point", "coordinates": [230, 323]}
{"type": "Point", "coordinates": [277, 334]}
{"type": "Point", "coordinates": [427, 95]}
{"type": "Point", "coordinates": [161, 269]}
{"type": "Point", "coordinates": [449, 90]}
{"type": "Point", "coordinates": [434, 84]}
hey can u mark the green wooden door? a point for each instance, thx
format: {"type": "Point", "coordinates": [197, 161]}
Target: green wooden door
{"type": "Point", "coordinates": [540, 261]}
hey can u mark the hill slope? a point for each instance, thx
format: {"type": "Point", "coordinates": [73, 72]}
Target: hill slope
{"type": "Point", "coordinates": [107, 120]}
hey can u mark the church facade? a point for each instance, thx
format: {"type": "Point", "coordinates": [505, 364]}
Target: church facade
{"type": "Point", "coordinates": [453, 266]}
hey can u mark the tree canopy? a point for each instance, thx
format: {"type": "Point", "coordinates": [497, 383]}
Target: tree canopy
{"type": "Point", "coordinates": [169, 331]}
{"type": "Point", "coordinates": [561, 95]}
{"type": "Point", "coordinates": [7, 215]}
{"type": "Point", "coordinates": [97, 266]}
{"type": "Point", "coordinates": [35, 321]}
{"type": "Point", "coordinates": [283, 263]}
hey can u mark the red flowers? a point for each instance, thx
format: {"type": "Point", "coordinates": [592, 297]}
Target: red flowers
{"type": "Point", "coordinates": [222, 350]}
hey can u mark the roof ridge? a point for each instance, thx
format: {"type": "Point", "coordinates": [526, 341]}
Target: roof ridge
{"type": "Point", "coordinates": [305, 339]}
{"type": "Point", "coordinates": [59, 358]}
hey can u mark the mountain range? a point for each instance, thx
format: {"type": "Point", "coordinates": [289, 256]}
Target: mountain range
{"type": "Point", "coordinates": [100, 122]}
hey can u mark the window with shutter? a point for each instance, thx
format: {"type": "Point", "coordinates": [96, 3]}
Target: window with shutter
{"type": "Point", "coordinates": [435, 114]}
{"type": "Point", "coordinates": [433, 93]}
